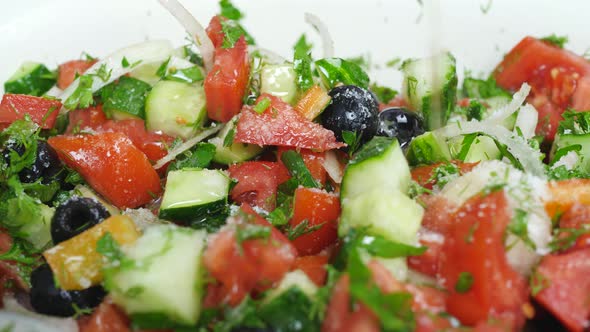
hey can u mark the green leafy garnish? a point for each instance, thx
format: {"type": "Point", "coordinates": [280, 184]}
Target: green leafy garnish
{"type": "Point", "coordinates": [556, 40]}
{"type": "Point", "coordinates": [444, 174]}
{"type": "Point", "coordinates": [248, 231]}
{"type": "Point", "coordinates": [163, 68]}
{"type": "Point", "coordinates": [336, 70]}
{"type": "Point", "coordinates": [262, 105]}
{"type": "Point", "coordinates": [518, 227]}
{"type": "Point", "coordinates": [302, 64]}
{"type": "Point", "coordinates": [564, 238]}
{"type": "Point", "coordinates": [352, 140]}
{"type": "Point", "coordinates": [464, 282]}
{"type": "Point", "coordinates": [232, 31]}
{"type": "Point", "coordinates": [186, 75]}
{"type": "Point", "coordinates": [82, 96]}
{"type": "Point", "coordinates": [229, 11]}
{"type": "Point", "coordinates": [294, 163]}
{"type": "Point", "coordinates": [383, 93]}
{"type": "Point", "coordinates": [538, 282]}
{"type": "Point", "coordinates": [127, 95]}
{"type": "Point", "coordinates": [198, 157]}
{"type": "Point", "coordinates": [374, 147]}
{"type": "Point", "coordinates": [483, 89]}
{"type": "Point", "coordinates": [574, 123]}
{"type": "Point", "coordinates": [301, 229]}
{"type": "Point", "coordinates": [109, 248]}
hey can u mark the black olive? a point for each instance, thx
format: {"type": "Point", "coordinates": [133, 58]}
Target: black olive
{"type": "Point", "coordinates": [400, 123]}
{"type": "Point", "coordinates": [74, 216]}
{"type": "Point", "coordinates": [46, 166]}
{"type": "Point", "coordinates": [352, 109]}
{"type": "Point", "coordinates": [47, 299]}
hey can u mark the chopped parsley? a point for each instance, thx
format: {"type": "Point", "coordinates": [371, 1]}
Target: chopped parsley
{"type": "Point", "coordinates": [444, 174]}
{"type": "Point", "coordinates": [518, 226]}
{"type": "Point", "coordinates": [555, 40]}
{"type": "Point", "coordinates": [296, 166]}
{"type": "Point", "coordinates": [302, 64]}
{"type": "Point", "coordinates": [232, 31]}
{"type": "Point", "coordinates": [246, 232]}
{"type": "Point", "coordinates": [574, 123]}
{"type": "Point", "coordinates": [82, 96]}
{"type": "Point", "coordinates": [464, 282]}
{"type": "Point", "coordinates": [383, 93]}
{"type": "Point", "coordinates": [538, 282]}
{"type": "Point", "coordinates": [352, 140]}
{"type": "Point", "coordinates": [262, 105]}
{"type": "Point", "coordinates": [301, 229]}
{"type": "Point", "coordinates": [198, 157]}
{"type": "Point", "coordinates": [229, 11]}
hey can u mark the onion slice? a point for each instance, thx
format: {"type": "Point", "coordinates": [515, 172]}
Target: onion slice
{"type": "Point", "coordinates": [187, 145]}
{"type": "Point", "coordinates": [147, 52]}
{"type": "Point", "coordinates": [322, 29]}
{"type": "Point", "coordinates": [503, 112]}
{"type": "Point", "coordinates": [529, 158]}
{"type": "Point", "coordinates": [526, 121]}
{"type": "Point", "coordinates": [268, 55]}
{"type": "Point", "coordinates": [194, 29]}
{"type": "Point", "coordinates": [332, 167]}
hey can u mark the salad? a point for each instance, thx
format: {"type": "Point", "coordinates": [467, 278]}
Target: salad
{"type": "Point", "coordinates": [220, 187]}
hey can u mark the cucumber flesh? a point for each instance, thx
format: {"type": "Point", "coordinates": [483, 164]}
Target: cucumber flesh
{"type": "Point", "coordinates": [176, 109]}
{"type": "Point", "coordinates": [31, 78]}
{"type": "Point", "coordinates": [162, 276]}
{"type": "Point", "coordinates": [280, 81]}
{"type": "Point", "coordinates": [379, 164]}
{"type": "Point", "coordinates": [482, 148]}
{"type": "Point", "coordinates": [194, 194]}
{"type": "Point", "coordinates": [428, 148]}
{"type": "Point", "coordinates": [236, 152]}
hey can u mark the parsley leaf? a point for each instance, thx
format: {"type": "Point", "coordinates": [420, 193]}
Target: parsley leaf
{"type": "Point", "coordinates": [518, 226]}
{"type": "Point", "coordinates": [302, 63]}
{"type": "Point", "coordinates": [109, 248]}
{"type": "Point", "coordinates": [229, 10]}
{"type": "Point", "coordinates": [483, 89]}
{"type": "Point", "coordinates": [352, 140]}
{"type": "Point", "coordinates": [198, 157]}
{"type": "Point", "coordinates": [82, 96]}
{"type": "Point", "coordinates": [262, 105]}
{"type": "Point", "coordinates": [383, 93]}
{"type": "Point", "coordinates": [246, 232]}
{"type": "Point", "coordinates": [464, 282]}
{"type": "Point", "coordinates": [444, 174]}
{"type": "Point", "coordinates": [538, 282]}
{"type": "Point", "coordinates": [296, 166]}
{"type": "Point", "coordinates": [186, 75]}
{"type": "Point", "coordinates": [556, 40]}
{"type": "Point", "coordinates": [301, 229]}
{"type": "Point", "coordinates": [232, 31]}
{"type": "Point", "coordinates": [336, 70]}
{"type": "Point", "coordinates": [574, 123]}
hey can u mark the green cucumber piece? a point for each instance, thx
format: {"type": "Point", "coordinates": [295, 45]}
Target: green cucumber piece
{"type": "Point", "coordinates": [161, 275]}
{"type": "Point", "coordinates": [386, 212]}
{"type": "Point", "coordinates": [194, 195]}
{"type": "Point", "coordinates": [428, 148]}
{"type": "Point", "coordinates": [279, 80]}
{"type": "Point", "coordinates": [380, 163]}
{"type": "Point", "coordinates": [125, 98]}
{"type": "Point", "coordinates": [147, 73]}
{"type": "Point", "coordinates": [568, 140]}
{"type": "Point", "coordinates": [482, 148]}
{"type": "Point", "coordinates": [31, 78]}
{"type": "Point", "coordinates": [430, 87]}
{"type": "Point", "coordinates": [234, 152]}
{"type": "Point", "coordinates": [176, 109]}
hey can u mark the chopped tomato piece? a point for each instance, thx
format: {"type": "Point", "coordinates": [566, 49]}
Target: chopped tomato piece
{"type": "Point", "coordinates": [66, 73]}
{"type": "Point", "coordinates": [42, 111]}
{"type": "Point", "coordinates": [424, 175]}
{"type": "Point", "coordinates": [254, 264]}
{"type": "Point", "coordinates": [564, 287]}
{"type": "Point", "coordinates": [112, 165]}
{"type": "Point", "coordinates": [314, 161]}
{"type": "Point", "coordinates": [106, 318]}
{"type": "Point", "coordinates": [314, 267]}
{"type": "Point", "coordinates": [577, 217]}
{"type": "Point", "coordinates": [427, 322]}
{"type": "Point", "coordinates": [257, 182]}
{"type": "Point", "coordinates": [474, 252]}
{"type": "Point", "coordinates": [9, 271]}
{"type": "Point", "coordinates": [281, 125]}
{"type": "Point", "coordinates": [554, 75]}
{"type": "Point", "coordinates": [318, 208]}
{"type": "Point", "coordinates": [215, 32]}
{"type": "Point", "coordinates": [90, 117]}
{"type": "Point", "coordinates": [226, 83]}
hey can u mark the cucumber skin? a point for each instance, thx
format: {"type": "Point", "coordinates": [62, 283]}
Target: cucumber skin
{"type": "Point", "coordinates": [30, 82]}
{"type": "Point", "coordinates": [290, 312]}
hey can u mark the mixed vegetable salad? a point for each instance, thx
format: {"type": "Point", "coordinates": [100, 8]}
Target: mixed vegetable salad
{"type": "Point", "coordinates": [220, 187]}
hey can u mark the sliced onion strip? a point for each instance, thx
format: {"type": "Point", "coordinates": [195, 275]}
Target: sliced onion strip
{"type": "Point", "coordinates": [332, 167]}
{"type": "Point", "coordinates": [186, 146]}
{"type": "Point", "coordinates": [322, 29]}
{"type": "Point", "coordinates": [195, 30]}
{"type": "Point", "coordinates": [503, 112]}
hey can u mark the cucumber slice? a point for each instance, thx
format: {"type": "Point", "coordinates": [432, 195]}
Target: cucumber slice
{"type": "Point", "coordinates": [162, 275]}
{"type": "Point", "coordinates": [175, 108]}
{"type": "Point", "coordinates": [482, 148]}
{"type": "Point", "coordinates": [288, 307]}
{"type": "Point", "coordinates": [430, 87]}
{"type": "Point", "coordinates": [280, 81]}
{"type": "Point", "coordinates": [125, 98]}
{"type": "Point", "coordinates": [379, 164]}
{"type": "Point", "coordinates": [31, 78]}
{"type": "Point", "coordinates": [387, 212]}
{"type": "Point", "coordinates": [194, 194]}
{"type": "Point", "coordinates": [569, 140]}
{"type": "Point", "coordinates": [428, 148]}
{"type": "Point", "coordinates": [236, 152]}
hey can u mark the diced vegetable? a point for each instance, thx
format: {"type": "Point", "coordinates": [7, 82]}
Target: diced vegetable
{"type": "Point", "coordinates": [175, 108]}
{"type": "Point", "coordinates": [313, 102]}
{"type": "Point", "coordinates": [86, 269]}
{"type": "Point", "coordinates": [160, 275]}
{"type": "Point", "coordinates": [67, 72]}
{"type": "Point", "coordinates": [41, 111]}
{"type": "Point", "coordinates": [428, 148]}
{"type": "Point", "coordinates": [125, 98]}
{"type": "Point", "coordinates": [31, 78]}
{"type": "Point", "coordinates": [229, 152]}
{"type": "Point", "coordinates": [280, 81]}
{"type": "Point", "coordinates": [334, 71]}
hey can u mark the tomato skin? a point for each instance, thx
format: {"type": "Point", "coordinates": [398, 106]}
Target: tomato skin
{"type": "Point", "coordinates": [225, 85]}
{"type": "Point", "coordinates": [112, 165]}
{"type": "Point", "coordinates": [317, 207]}
{"type": "Point", "coordinates": [256, 265]}
{"type": "Point", "coordinates": [558, 78]}
{"type": "Point", "coordinates": [215, 32]}
{"type": "Point", "coordinates": [566, 287]}
{"type": "Point", "coordinates": [314, 161]}
{"type": "Point", "coordinates": [423, 175]}
{"type": "Point", "coordinates": [66, 72]}
{"type": "Point", "coordinates": [314, 267]}
{"type": "Point", "coordinates": [475, 244]}
{"type": "Point", "coordinates": [281, 125]}
{"type": "Point", "coordinates": [90, 117]}
{"type": "Point", "coordinates": [41, 111]}
{"type": "Point", "coordinates": [107, 317]}
{"type": "Point", "coordinates": [257, 182]}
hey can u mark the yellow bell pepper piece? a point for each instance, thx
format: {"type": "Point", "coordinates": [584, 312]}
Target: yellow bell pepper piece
{"type": "Point", "coordinates": [76, 264]}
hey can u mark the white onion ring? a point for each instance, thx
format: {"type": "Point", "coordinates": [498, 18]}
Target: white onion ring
{"type": "Point", "coordinates": [194, 28]}
{"type": "Point", "coordinates": [322, 29]}
{"type": "Point", "coordinates": [186, 146]}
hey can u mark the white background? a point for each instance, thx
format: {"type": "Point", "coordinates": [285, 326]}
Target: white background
{"type": "Point", "coordinates": [54, 31]}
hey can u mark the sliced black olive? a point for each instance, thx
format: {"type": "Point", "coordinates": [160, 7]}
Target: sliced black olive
{"type": "Point", "coordinates": [74, 216]}
{"type": "Point", "coordinates": [47, 299]}
{"type": "Point", "coordinates": [352, 109]}
{"type": "Point", "coordinates": [400, 123]}
{"type": "Point", "coordinates": [46, 166]}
